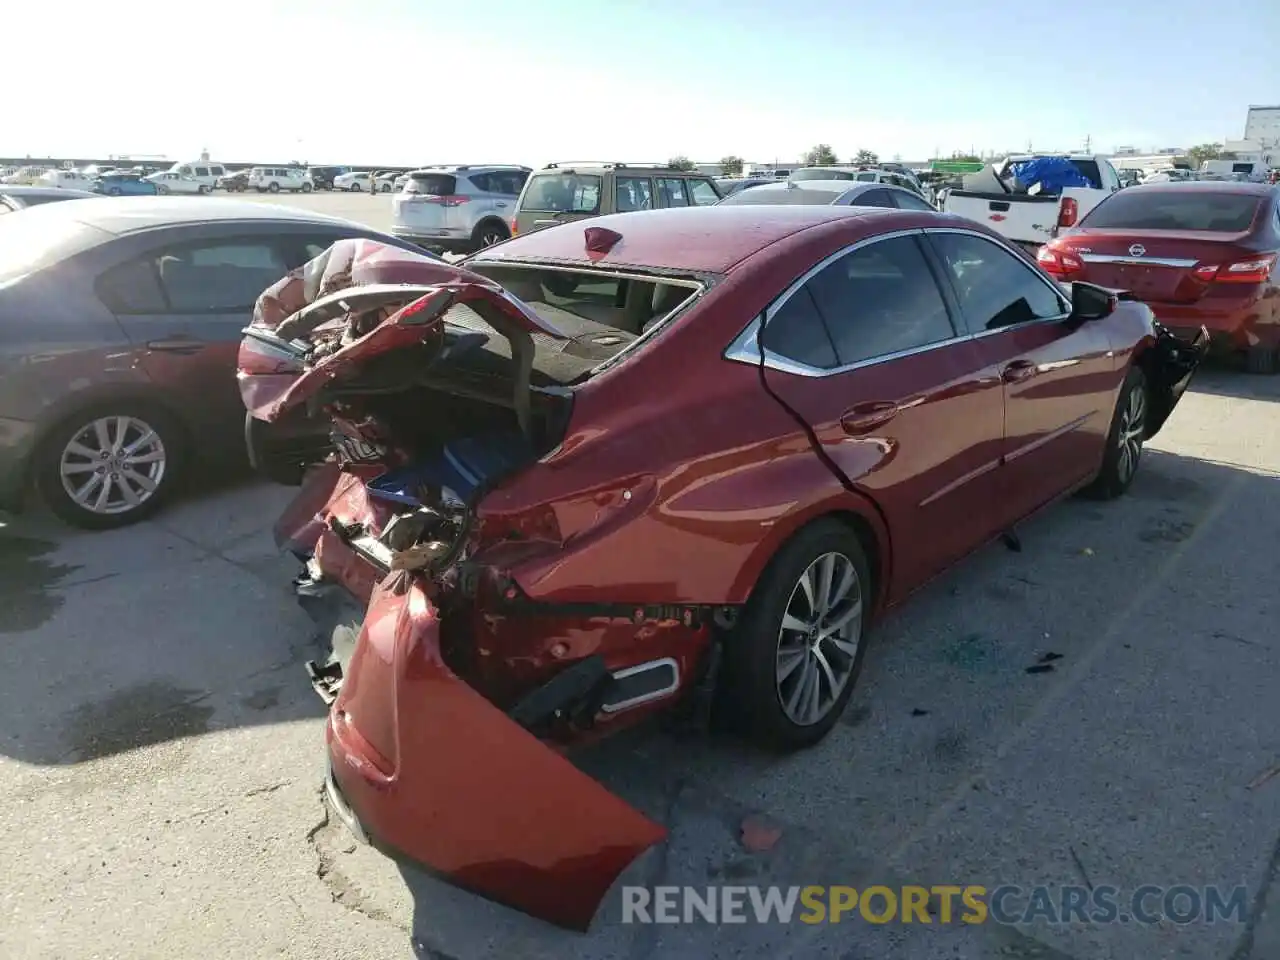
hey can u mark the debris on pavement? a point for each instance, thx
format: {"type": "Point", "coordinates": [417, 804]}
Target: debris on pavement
{"type": "Point", "coordinates": [1264, 776]}
{"type": "Point", "coordinates": [759, 835]}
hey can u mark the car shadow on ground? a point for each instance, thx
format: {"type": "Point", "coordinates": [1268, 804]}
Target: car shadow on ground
{"type": "Point", "coordinates": [123, 639]}
{"type": "Point", "coordinates": [1225, 379]}
{"type": "Point", "coordinates": [957, 677]}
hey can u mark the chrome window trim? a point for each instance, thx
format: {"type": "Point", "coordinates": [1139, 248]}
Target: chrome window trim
{"type": "Point", "coordinates": [745, 348]}
{"type": "Point", "coordinates": [1137, 261]}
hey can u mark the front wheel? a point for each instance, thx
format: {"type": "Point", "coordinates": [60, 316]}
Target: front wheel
{"type": "Point", "coordinates": [385, 188]}
{"type": "Point", "coordinates": [355, 188]}
{"type": "Point", "coordinates": [274, 188]}
{"type": "Point", "coordinates": [110, 465]}
{"type": "Point", "coordinates": [1124, 441]}
{"type": "Point", "coordinates": [795, 656]}
{"type": "Point", "coordinates": [306, 188]}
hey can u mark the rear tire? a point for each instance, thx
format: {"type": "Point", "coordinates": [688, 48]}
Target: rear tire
{"type": "Point", "coordinates": [306, 188]}
{"type": "Point", "coordinates": [274, 188]}
{"type": "Point", "coordinates": [1124, 440]}
{"type": "Point", "coordinates": [1261, 360]}
{"type": "Point", "coordinates": [158, 441]}
{"type": "Point", "coordinates": [355, 188]}
{"type": "Point", "coordinates": [783, 640]}
{"type": "Point", "coordinates": [203, 189]}
{"type": "Point", "coordinates": [489, 232]}
{"type": "Point", "coordinates": [160, 189]}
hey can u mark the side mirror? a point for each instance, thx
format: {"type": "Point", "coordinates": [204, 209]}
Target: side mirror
{"type": "Point", "coordinates": [1091, 302]}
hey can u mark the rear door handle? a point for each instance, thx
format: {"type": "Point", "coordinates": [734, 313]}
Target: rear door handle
{"type": "Point", "coordinates": [177, 345]}
{"type": "Point", "coordinates": [501, 203]}
{"type": "Point", "coordinates": [1017, 371]}
{"type": "Point", "coordinates": [867, 416]}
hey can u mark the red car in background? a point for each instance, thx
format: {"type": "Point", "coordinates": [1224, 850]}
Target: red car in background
{"type": "Point", "coordinates": [700, 470]}
{"type": "Point", "coordinates": [1196, 253]}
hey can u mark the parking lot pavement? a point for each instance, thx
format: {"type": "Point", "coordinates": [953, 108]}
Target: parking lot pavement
{"type": "Point", "coordinates": [374, 210]}
{"type": "Point", "coordinates": [161, 751]}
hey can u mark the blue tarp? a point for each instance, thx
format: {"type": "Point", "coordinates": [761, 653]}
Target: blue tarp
{"type": "Point", "coordinates": [1051, 173]}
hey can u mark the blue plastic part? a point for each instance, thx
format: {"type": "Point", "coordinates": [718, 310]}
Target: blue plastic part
{"type": "Point", "coordinates": [462, 466]}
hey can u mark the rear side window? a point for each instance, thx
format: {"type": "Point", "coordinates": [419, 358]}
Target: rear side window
{"type": "Point", "coordinates": [796, 332]}
{"type": "Point", "coordinates": [1175, 209]}
{"type": "Point", "coordinates": [202, 171]}
{"type": "Point", "coordinates": [132, 288]}
{"type": "Point", "coordinates": [881, 299]}
{"type": "Point", "coordinates": [432, 184]}
{"type": "Point", "coordinates": [508, 183]}
{"type": "Point", "coordinates": [909, 201]}
{"type": "Point", "coordinates": [563, 193]}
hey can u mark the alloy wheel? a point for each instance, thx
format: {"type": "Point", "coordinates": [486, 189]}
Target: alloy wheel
{"type": "Point", "coordinates": [113, 465]}
{"type": "Point", "coordinates": [489, 237]}
{"type": "Point", "coordinates": [819, 638]}
{"type": "Point", "coordinates": [1132, 427]}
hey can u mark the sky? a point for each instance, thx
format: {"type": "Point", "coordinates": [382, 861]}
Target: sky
{"type": "Point", "coordinates": [409, 82]}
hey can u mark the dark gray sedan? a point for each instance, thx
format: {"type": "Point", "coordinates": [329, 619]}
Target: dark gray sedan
{"type": "Point", "coordinates": [17, 197]}
{"type": "Point", "coordinates": [120, 323]}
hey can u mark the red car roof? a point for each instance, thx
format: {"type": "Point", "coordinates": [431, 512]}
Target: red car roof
{"type": "Point", "coordinates": [692, 239]}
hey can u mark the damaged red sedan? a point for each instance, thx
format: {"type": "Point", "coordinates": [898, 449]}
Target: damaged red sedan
{"type": "Point", "coordinates": [662, 459]}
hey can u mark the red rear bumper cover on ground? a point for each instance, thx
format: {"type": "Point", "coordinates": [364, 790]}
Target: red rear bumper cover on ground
{"type": "Point", "coordinates": [425, 767]}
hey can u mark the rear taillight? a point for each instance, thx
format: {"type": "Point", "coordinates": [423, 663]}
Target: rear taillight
{"type": "Point", "coordinates": [1060, 263]}
{"type": "Point", "coordinates": [1253, 270]}
{"type": "Point", "coordinates": [1068, 212]}
{"type": "Point", "coordinates": [515, 227]}
{"type": "Point", "coordinates": [452, 200]}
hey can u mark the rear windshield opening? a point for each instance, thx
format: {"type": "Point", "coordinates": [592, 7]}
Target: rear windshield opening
{"type": "Point", "coordinates": [563, 193]}
{"type": "Point", "coordinates": [601, 313]}
{"type": "Point", "coordinates": [1167, 210]}
{"type": "Point", "coordinates": [432, 184]}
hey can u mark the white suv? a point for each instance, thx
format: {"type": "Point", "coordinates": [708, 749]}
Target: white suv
{"type": "Point", "coordinates": [275, 179]}
{"type": "Point", "coordinates": [461, 209]}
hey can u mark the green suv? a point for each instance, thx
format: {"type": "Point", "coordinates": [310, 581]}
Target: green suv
{"type": "Point", "coordinates": [562, 192]}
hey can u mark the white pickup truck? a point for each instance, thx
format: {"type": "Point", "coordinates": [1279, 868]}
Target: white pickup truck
{"type": "Point", "coordinates": [1031, 219]}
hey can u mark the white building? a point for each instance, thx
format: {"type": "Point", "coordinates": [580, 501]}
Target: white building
{"type": "Point", "coordinates": [1254, 151]}
{"type": "Point", "coordinates": [1262, 126]}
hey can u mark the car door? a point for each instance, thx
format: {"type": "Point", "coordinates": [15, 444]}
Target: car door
{"type": "Point", "coordinates": [186, 302]}
{"type": "Point", "coordinates": [864, 349]}
{"type": "Point", "coordinates": [1059, 378]}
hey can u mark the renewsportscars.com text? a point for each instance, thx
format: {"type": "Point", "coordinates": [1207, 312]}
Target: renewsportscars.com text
{"type": "Point", "coordinates": [939, 904]}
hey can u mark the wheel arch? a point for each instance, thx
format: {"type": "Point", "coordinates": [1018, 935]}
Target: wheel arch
{"type": "Point", "coordinates": [854, 510]}
{"type": "Point", "coordinates": [491, 218]}
{"type": "Point", "coordinates": [90, 397]}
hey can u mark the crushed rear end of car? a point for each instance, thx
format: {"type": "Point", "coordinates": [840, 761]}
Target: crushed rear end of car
{"type": "Point", "coordinates": [451, 706]}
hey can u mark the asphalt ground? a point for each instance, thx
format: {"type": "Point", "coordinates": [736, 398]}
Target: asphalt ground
{"type": "Point", "coordinates": [161, 755]}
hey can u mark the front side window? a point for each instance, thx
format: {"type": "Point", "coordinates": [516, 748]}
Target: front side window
{"type": "Point", "coordinates": [633, 193]}
{"type": "Point", "coordinates": [909, 201]}
{"type": "Point", "coordinates": [873, 198]}
{"type": "Point", "coordinates": [881, 299]}
{"type": "Point", "coordinates": [218, 277]}
{"type": "Point", "coordinates": [995, 287]}
{"type": "Point", "coordinates": [703, 193]}
{"type": "Point", "coordinates": [563, 193]}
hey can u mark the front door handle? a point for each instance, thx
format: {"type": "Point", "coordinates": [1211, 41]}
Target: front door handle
{"type": "Point", "coordinates": [501, 203]}
{"type": "Point", "coordinates": [1018, 371]}
{"type": "Point", "coordinates": [864, 417]}
{"type": "Point", "coordinates": [177, 345]}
